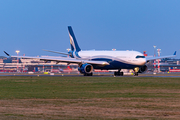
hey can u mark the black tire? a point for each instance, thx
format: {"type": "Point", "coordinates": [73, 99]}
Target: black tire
{"type": "Point", "coordinates": [136, 74]}
{"type": "Point", "coordinates": [118, 73]}
{"type": "Point", "coordinates": [115, 73]}
{"type": "Point", "coordinates": [88, 74]}
{"type": "Point", "coordinates": [121, 73]}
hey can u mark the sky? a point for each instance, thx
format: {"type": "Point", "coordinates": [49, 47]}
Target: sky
{"type": "Point", "coordinates": [32, 25]}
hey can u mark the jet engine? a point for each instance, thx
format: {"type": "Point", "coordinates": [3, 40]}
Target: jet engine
{"type": "Point", "coordinates": [86, 69]}
{"type": "Point", "coordinates": [142, 69]}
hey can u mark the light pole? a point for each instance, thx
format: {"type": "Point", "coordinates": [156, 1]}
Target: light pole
{"type": "Point", "coordinates": [154, 50]}
{"type": "Point", "coordinates": [154, 56]}
{"type": "Point", "coordinates": [158, 51]}
{"type": "Point", "coordinates": [17, 51]}
{"type": "Point", "coordinates": [68, 57]}
{"type": "Point", "coordinates": [68, 51]}
{"type": "Point", "coordinates": [43, 67]}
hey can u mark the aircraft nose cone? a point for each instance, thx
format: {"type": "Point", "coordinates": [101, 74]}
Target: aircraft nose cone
{"type": "Point", "coordinates": [143, 61]}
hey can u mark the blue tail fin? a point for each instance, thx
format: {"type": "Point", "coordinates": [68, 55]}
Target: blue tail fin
{"type": "Point", "coordinates": [73, 42]}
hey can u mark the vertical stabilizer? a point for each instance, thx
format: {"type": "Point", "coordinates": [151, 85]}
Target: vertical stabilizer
{"type": "Point", "coordinates": [73, 42]}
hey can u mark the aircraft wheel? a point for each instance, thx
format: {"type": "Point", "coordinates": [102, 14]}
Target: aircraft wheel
{"type": "Point", "coordinates": [118, 73]}
{"type": "Point", "coordinates": [121, 73]}
{"type": "Point", "coordinates": [88, 74]}
{"type": "Point", "coordinates": [136, 74]}
{"type": "Point", "coordinates": [115, 73]}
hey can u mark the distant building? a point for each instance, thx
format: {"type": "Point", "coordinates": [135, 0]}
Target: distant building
{"type": "Point", "coordinates": [1, 60]}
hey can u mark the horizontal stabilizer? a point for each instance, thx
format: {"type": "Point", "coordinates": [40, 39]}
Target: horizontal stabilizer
{"type": "Point", "coordinates": [6, 53]}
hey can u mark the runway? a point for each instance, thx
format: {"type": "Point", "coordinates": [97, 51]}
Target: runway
{"type": "Point", "coordinates": [171, 75]}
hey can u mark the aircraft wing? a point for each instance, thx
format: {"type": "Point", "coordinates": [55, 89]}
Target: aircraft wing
{"type": "Point", "coordinates": [57, 52]}
{"type": "Point", "coordinates": [161, 57]}
{"type": "Point", "coordinates": [65, 59]}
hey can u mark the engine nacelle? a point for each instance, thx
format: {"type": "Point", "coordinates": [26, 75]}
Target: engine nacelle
{"type": "Point", "coordinates": [85, 68]}
{"type": "Point", "coordinates": [142, 69]}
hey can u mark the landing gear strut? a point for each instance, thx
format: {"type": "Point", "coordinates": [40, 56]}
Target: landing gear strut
{"type": "Point", "coordinates": [118, 73]}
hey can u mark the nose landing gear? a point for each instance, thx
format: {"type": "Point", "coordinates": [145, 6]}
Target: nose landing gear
{"type": "Point", "coordinates": [136, 71]}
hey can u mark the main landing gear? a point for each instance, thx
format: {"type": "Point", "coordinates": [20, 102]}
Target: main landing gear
{"type": "Point", "coordinates": [88, 74]}
{"type": "Point", "coordinates": [118, 73]}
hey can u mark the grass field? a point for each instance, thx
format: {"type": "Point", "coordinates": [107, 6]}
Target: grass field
{"type": "Point", "coordinates": [89, 98]}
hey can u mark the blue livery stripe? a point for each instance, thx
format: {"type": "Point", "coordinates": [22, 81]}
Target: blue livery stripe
{"type": "Point", "coordinates": [73, 42]}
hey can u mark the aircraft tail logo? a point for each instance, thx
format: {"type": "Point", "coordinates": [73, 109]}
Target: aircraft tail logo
{"type": "Point", "coordinates": [73, 42]}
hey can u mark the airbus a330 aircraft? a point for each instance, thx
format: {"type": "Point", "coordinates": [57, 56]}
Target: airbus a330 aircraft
{"type": "Point", "coordinates": [105, 60]}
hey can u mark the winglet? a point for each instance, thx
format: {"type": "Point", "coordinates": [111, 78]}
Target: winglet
{"type": "Point", "coordinates": [174, 53]}
{"type": "Point", "coordinates": [7, 54]}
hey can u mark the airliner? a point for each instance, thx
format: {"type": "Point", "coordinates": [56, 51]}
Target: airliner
{"type": "Point", "coordinates": [104, 60]}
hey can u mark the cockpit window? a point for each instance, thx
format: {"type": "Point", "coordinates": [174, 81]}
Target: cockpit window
{"type": "Point", "coordinates": [140, 56]}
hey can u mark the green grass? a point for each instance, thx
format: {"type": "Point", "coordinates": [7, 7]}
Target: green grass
{"type": "Point", "coordinates": [127, 98]}
{"type": "Point", "coordinates": [87, 87]}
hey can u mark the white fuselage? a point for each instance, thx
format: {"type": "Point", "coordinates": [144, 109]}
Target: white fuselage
{"type": "Point", "coordinates": [127, 57]}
